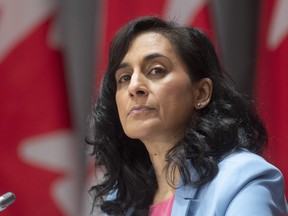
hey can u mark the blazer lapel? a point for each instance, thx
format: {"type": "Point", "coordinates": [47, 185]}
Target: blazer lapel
{"type": "Point", "coordinates": [186, 201]}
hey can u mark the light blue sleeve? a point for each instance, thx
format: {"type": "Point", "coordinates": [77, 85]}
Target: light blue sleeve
{"type": "Point", "coordinates": [259, 197]}
{"type": "Point", "coordinates": [261, 192]}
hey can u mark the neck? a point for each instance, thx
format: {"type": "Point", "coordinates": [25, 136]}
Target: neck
{"type": "Point", "coordinates": [166, 182]}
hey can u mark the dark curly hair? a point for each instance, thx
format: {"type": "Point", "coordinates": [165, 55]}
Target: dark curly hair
{"type": "Point", "coordinates": [228, 123]}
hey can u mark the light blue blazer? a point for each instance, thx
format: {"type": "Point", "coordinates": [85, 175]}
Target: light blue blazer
{"type": "Point", "coordinates": [246, 185]}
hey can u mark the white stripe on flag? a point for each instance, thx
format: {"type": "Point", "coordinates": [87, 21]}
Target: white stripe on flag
{"type": "Point", "coordinates": [279, 25]}
{"type": "Point", "coordinates": [182, 11]}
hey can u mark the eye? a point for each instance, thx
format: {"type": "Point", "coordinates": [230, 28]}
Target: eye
{"type": "Point", "coordinates": [124, 78]}
{"type": "Point", "coordinates": [157, 70]}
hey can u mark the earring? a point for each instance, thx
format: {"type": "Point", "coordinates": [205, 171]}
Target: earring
{"type": "Point", "coordinates": [199, 105]}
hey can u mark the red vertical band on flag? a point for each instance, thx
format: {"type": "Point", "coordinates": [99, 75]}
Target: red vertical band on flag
{"type": "Point", "coordinates": [203, 20]}
{"type": "Point", "coordinates": [34, 101]}
{"type": "Point", "coordinates": [272, 78]}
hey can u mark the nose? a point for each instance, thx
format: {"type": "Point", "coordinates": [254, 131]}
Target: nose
{"type": "Point", "coordinates": [137, 85]}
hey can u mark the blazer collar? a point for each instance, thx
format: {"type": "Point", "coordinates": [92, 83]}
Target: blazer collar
{"type": "Point", "coordinates": [186, 196]}
{"type": "Point", "coordinates": [188, 191]}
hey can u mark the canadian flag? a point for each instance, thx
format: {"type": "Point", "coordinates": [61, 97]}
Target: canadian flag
{"type": "Point", "coordinates": [117, 13]}
{"type": "Point", "coordinates": [37, 154]}
{"type": "Point", "coordinates": [272, 79]}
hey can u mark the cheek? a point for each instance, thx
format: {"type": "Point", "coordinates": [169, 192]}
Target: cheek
{"type": "Point", "coordinates": [178, 91]}
{"type": "Point", "coordinates": [121, 105]}
{"type": "Point", "coordinates": [177, 100]}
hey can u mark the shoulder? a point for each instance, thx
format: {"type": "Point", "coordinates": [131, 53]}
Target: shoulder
{"type": "Point", "coordinates": [246, 180]}
{"type": "Point", "coordinates": [248, 164]}
{"type": "Point", "coordinates": [240, 168]}
{"type": "Point", "coordinates": [245, 169]}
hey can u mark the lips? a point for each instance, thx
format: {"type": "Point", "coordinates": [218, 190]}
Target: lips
{"type": "Point", "coordinates": [140, 109]}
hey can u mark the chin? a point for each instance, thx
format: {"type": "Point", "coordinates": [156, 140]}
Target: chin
{"type": "Point", "coordinates": [138, 134]}
{"type": "Point", "coordinates": [135, 135]}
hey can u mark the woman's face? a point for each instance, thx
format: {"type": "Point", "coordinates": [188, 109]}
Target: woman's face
{"type": "Point", "coordinates": [154, 96]}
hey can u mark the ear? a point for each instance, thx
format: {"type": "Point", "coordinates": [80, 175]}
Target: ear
{"type": "Point", "coordinates": [203, 92]}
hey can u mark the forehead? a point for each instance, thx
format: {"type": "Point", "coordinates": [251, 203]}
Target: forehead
{"type": "Point", "coordinates": [150, 42]}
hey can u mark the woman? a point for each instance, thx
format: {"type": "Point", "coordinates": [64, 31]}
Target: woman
{"type": "Point", "coordinates": [172, 136]}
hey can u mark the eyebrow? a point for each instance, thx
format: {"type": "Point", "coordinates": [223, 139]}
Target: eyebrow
{"type": "Point", "coordinates": [152, 56]}
{"type": "Point", "coordinates": [146, 59]}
